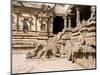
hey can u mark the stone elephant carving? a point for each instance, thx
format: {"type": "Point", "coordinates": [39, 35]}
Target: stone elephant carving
{"type": "Point", "coordinates": [48, 51]}
{"type": "Point", "coordinates": [70, 49]}
{"type": "Point", "coordinates": [45, 51]}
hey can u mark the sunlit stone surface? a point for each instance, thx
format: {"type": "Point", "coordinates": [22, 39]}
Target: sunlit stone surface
{"type": "Point", "coordinates": [52, 37]}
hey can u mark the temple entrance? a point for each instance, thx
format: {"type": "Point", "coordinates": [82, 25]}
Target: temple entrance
{"type": "Point", "coordinates": [58, 24]}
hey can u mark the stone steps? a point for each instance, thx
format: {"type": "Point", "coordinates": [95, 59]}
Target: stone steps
{"type": "Point", "coordinates": [23, 41]}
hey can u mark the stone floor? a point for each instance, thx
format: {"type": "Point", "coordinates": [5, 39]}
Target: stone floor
{"type": "Point", "coordinates": [89, 63]}
{"type": "Point", "coordinates": [22, 65]}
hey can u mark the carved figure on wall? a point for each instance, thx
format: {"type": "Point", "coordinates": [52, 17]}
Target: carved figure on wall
{"type": "Point", "coordinates": [25, 25]}
{"type": "Point", "coordinates": [43, 27]}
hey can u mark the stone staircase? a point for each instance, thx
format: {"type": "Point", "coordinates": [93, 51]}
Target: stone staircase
{"type": "Point", "coordinates": [23, 41]}
{"type": "Point", "coordinates": [86, 31]}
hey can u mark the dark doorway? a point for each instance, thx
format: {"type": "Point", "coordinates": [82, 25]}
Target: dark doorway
{"type": "Point", "coordinates": [73, 17]}
{"type": "Point", "coordinates": [85, 12]}
{"type": "Point", "coordinates": [58, 24]}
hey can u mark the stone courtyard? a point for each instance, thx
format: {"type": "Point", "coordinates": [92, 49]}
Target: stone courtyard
{"type": "Point", "coordinates": [41, 65]}
{"type": "Point", "coordinates": [52, 37]}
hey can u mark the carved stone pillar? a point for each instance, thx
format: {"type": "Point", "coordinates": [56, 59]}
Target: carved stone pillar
{"type": "Point", "coordinates": [40, 20]}
{"type": "Point", "coordinates": [30, 23]}
{"type": "Point", "coordinates": [77, 16]}
{"type": "Point", "coordinates": [69, 22]}
{"type": "Point", "coordinates": [17, 25]}
{"type": "Point", "coordinates": [14, 17]}
{"type": "Point", "coordinates": [46, 24]}
{"type": "Point", "coordinates": [36, 22]}
{"type": "Point", "coordinates": [93, 9]}
{"type": "Point", "coordinates": [65, 22]}
{"type": "Point", "coordinates": [51, 26]}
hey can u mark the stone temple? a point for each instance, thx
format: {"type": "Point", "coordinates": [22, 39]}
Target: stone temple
{"type": "Point", "coordinates": [50, 30]}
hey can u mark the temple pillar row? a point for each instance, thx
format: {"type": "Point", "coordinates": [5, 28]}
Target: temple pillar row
{"type": "Point", "coordinates": [65, 21]}
{"type": "Point", "coordinates": [35, 27]}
